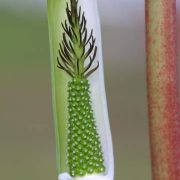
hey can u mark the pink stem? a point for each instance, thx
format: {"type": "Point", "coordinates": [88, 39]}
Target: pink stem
{"type": "Point", "coordinates": [163, 98]}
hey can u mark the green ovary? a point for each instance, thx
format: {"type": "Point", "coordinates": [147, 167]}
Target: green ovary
{"type": "Point", "coordinates": [85, 154]}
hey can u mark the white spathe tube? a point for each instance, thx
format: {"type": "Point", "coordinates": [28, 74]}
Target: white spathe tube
{"type": "Point", "coordinates": [98, 96]}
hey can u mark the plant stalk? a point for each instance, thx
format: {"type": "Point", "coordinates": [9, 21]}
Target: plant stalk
{"type": "Point", "coordinates": [162, 82]}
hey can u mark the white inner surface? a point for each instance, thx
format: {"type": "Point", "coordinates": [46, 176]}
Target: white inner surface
{"type": "Point", "coordinates": [98, 90]}
{"type": "Point", "coordinates": [98, 97]}
{"type": "Point", "coordinates": [66, 176]}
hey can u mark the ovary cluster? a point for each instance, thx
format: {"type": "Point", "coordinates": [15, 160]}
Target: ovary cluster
{"type": "Point", "coordinates": [84, 149]}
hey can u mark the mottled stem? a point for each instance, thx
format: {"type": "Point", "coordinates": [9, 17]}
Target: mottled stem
{"type": "Point", "coordinates": [162, 79]}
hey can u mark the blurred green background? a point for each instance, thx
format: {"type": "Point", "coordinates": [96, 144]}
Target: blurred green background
{"type": "Point", "coordinates": [27, 147]}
